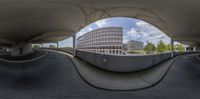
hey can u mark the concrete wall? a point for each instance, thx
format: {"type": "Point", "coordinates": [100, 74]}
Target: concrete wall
{"type": "Point", "coordinates": [27, 48]}
{"type": "Point", "coordinates": [67, 50]}
{"type": "Point", "coordinates": [70, 51]}
{"type": "Point", "coordinates": [122, 63]}
{"type": "Point", "coordinates": [15, 50]}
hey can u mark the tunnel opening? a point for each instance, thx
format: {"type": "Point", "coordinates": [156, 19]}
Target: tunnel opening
{"type": "Point", "coordinates": [119, 35]}
{"type": "Point", "coordinates": [127, 44]}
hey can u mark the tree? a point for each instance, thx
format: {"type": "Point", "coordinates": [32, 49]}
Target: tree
{"type": "Point", "coordinates": [149, 48]}
{"type": "Point", "coordinates": [180, 47]}
{"type": "Point", "coordinates": [168, 47]}
{"type": "Point", "coordinates": [36, 46]}
{"type": "Point", "coordinates": [161, 47]}
{"type": "Point", "coordinates": [52, 46]}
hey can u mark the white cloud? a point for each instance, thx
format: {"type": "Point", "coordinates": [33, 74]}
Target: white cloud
{"type": "Point", "coordinates": [89, 29]}
{"type": "Point", "coordinates": [141, 23]}
{"type": "Point", "coordinates": [145, 25]}
{"type": "Point", "coordinates": [101, 23]}
{"type": "Point", "coordinates": [125, 39]}
{"type": "Point", "coordinates": [151, 33]}
{"type": "Point", "coordinates": [66, 43]}
{"type": "Point", "coordinates": [132, 33]}
{"type": "Point", "coordinates": [80, 33]}
{"type": "Point", "coordinates": [83, 31]}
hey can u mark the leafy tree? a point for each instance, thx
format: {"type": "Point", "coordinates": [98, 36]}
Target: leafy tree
{"type": "Point", "coordinates": [161, 47]}
{"type": "Point", "coordinates": [52, 46]}
{"type": "Point", "coordinates": [36, 46]}
{"type": "Point", "coordinates": [149, 48]}
{"type": "Point", "coordinates": [180, 47]}
{"type": "Point", "coordinates": [168, 47]}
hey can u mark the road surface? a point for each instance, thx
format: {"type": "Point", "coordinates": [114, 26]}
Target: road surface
{"type": "Point", "coordinates": [55, 77]}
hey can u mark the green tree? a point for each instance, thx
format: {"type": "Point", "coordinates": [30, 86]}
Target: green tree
{"type": "Point", "coordinates": [168, 47]}
{"type": "Point", "coordinates": [36, 46]}
{"type": "Point", "coordinates": [180, 47]}
{"type": "Point", "coordinates": [161, 47]}
{"type": "Point", "coordinates": [52, 46]}
{"type": "Point", "coordinates": [149, 48]}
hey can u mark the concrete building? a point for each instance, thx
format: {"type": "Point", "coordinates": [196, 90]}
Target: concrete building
{"type": "Point", "coordinates": [134, 45]}
{"type": "Point", "coordinates": [191, 48]}
{"type": "Point", "coordinates": [104, 40]}
{"type": "Point", "coordinates": [4, 49]}
{"type": "Point", "coordinates": [125, 47]}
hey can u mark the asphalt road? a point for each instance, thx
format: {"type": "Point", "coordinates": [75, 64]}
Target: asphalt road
{"type": "Point", "coordinates": [35, 54]}
{"type": "Point", "coordinates": [54, 77]}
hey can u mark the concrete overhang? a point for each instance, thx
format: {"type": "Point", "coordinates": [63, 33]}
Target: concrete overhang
{"type": "Point", "coordinates": [51, 37]}
{"type": "Point", "coordinates": [32, 20]}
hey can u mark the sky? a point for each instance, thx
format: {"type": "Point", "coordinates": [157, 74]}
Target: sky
{"type": "Point", "coordinates": [133, 29]}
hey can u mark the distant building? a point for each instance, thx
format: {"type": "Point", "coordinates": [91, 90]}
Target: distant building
{"type": "Point", "coordinates": [134, 45]}
{"type": "Point", "coordinates": [4, 49]}
{"type": "Point", "coordinates": [104, 40]}
{"type": "Point", "coordinates": [125, 47]}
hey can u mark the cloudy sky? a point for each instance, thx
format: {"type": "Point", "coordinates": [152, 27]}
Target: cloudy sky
{"type": "Point", "coordinates": [133, 29]}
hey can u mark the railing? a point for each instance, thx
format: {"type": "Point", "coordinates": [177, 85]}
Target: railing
{"type": "Point", "coordinates": [121, 63]}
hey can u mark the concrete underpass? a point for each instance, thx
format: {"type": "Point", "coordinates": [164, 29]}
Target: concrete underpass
{"type": "Point", "coordinates": [56, 77]}
{"type": "Point", "coordinates": [26, 73]}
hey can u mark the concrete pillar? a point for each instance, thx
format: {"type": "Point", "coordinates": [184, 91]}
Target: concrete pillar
{"type": "Point", "coordinates": [57, 46]}
{"type": "Point", "coordinates": [172, 47]}
{"type": "Point", "coordinates": [42, 45]}
{"type": "Point", "coordinates": [74, 44]}
{"type": "Point", "coordinates": [194, 49]}
{"type": "Point", "coordinates": [21, 49]}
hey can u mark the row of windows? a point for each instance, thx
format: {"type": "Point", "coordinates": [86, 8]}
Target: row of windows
{"type": "Point", "coordinates": [105, 31]}
{"type": "Point", "coordinates": [103, 47]}
{"type": "Point", "coordinates": [98, 44]}
{"type": "Point", "coordinates": [99, 33]}
{"type": "Point", "coordinates": [102, 36]}
{"type": "Point", "coordinates": [110, 51]}
{"type": "Point", "coordinates": [99, 41]}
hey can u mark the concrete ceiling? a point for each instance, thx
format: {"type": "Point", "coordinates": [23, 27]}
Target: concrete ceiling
{"type": "Point", "coordinates": [53, 20]}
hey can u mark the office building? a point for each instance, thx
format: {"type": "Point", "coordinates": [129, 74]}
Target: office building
{"type": "Point", "coordinates": [103, 40]}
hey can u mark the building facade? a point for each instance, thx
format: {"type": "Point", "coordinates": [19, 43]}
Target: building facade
{"type": "Point", "coordinates": [125, 47]}
{"type": "Point", "coordinates": [107, 40]}
{"type": "Point", "coordinates": [134, 45]}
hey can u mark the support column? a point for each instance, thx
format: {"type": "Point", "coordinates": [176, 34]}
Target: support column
{"type": "Point", "coordinates": [74, 44]}
{"type": "Point", "coordinates": [172, 47]}
{"type": "Point", "coordinates": [194, 49]}
{"type": "Point", "coordinates": [57, 45]}
{"type": "Point", "coordinates": [42, 45]}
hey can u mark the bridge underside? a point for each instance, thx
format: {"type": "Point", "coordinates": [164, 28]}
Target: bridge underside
{"type": "Point", "coordinates": [54, 20]}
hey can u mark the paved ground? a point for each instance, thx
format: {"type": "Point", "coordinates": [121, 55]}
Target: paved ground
{"type": "Point", "coordinates": [54, 77]}
{"type": "Point", "coordinates": [33, 55]}
{"type": "Point", "coordinates": [121, 81]}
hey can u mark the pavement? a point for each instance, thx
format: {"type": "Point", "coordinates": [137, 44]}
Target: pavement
{"type": "Point", "coordinates": [35, 54]}
{"type": "Point", "coordinates": [55, 77]}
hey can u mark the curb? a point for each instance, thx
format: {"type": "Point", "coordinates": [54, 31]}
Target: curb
{"type": "Point", "coordinates": [146, 83]}
{"type": "Point", "coordinates": [150, 84]}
